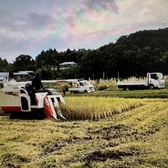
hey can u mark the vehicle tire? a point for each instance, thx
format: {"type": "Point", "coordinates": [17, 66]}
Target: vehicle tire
{"type": "Point", "coordinates": [127, 88]}
{"type": "Point", "coordinates": [85, 91]}
{"type": "Point", "coordinates": [151, 87]}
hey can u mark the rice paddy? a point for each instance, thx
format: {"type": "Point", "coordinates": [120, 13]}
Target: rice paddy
{"type": "Point", "coordinates": [99, 132]}
{"type": "Point", "coordinates": [94, 108]}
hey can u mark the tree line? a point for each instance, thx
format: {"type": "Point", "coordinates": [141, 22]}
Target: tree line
{"type": "Point", "coordinates": [131, 55]}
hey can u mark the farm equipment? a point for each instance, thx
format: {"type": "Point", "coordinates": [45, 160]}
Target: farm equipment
{"type": "Point", "coordinates": [42, 103]}
{"type": "Point", "coordinates": [18, 99]}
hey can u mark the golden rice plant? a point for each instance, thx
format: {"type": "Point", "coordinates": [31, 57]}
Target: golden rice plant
{"type": "Point", "coordinates": [94, 108]}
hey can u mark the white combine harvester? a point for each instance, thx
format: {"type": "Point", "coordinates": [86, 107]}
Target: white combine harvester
{"type": "Point", "coordinates": [17, 98]}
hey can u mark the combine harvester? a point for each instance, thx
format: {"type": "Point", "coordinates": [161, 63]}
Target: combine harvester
{"type": "Point", "coordinates": [16, 98]}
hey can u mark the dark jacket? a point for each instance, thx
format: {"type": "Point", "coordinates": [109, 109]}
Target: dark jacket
{"type": "Point", "coordinates": [36, 83]}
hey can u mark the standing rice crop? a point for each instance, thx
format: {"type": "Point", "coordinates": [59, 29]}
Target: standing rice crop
{"type": "Point", "coordinates": [94, 108]}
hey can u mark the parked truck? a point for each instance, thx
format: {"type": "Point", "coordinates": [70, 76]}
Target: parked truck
{"type": "Point", "coordinates": [81, 86]}
{"type": "Point", "coordinates": [153, 80]}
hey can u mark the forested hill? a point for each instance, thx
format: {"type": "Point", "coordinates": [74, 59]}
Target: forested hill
{"type": "Point", "coordinates": [131, 55]}
{"type": "Point", "coordinates": [138, 53]}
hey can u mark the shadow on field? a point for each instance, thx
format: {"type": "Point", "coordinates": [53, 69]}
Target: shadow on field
{"type": "Point", "coordinates": [27, 116]}
{"type": "Point", "coordinates": [100, 156]}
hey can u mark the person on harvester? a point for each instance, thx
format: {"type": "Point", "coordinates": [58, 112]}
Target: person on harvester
{"type": "Point", "coordinates": [36, 85]}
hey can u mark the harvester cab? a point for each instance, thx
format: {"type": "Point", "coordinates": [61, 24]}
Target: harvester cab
{"type": "Point", "coordinates": [18, 98]}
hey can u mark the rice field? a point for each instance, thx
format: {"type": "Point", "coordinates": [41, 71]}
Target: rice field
{"type": "Point", "coordinates": [139, 94]}
{"type": "Point", "coordinates": [95, 108]}
{"type": "Point", "coordinates": [99, 132]}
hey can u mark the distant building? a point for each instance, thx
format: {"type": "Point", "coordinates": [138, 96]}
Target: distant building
{"type": "Point", "coordinates": [66, 65]}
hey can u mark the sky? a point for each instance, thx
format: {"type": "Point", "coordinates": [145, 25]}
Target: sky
{"type": "Point", "coordinates": [31, 26]}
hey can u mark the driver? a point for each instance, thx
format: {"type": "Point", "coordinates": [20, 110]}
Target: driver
{"type": "Point", "coordinates": [36, 83]}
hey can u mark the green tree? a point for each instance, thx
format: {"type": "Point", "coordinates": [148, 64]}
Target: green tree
{"type": "Point", "coordinates": [24, 62]}
{"type": "Point", "coordinates": [4, 66]}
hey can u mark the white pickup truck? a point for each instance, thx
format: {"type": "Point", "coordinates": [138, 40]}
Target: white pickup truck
{"type": "Point", "coordinates": [153, 80]}
{"type": "Point", "coordinates": [81, 86]}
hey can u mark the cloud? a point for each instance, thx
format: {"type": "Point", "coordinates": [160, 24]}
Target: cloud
{"type": "Point", "coordinates": [23, 33]}
{"type": "Point", "coordinates": [99, 5]}
{"type": "Point", "coordinates": [154, 12]}
{"type": "Point", "coordinates": [90, 16]}
{"type": "Point", "coordinates": [37, 21]}
{"type": "Point", "coordinates": [28, 27]}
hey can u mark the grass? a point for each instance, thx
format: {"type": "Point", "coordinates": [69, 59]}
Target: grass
{"type": "Point", "coordinates": [155, 93]}
{"type": "Point", "coordinates": [134, 136]}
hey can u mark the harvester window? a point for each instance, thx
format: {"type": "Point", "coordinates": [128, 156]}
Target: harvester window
{"type": "Point", "coordinates": [25, 78]}
{"type": "Point", "coordinates": [81, 84]}
{"type": "Point", "coordinates": [18, 78]}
